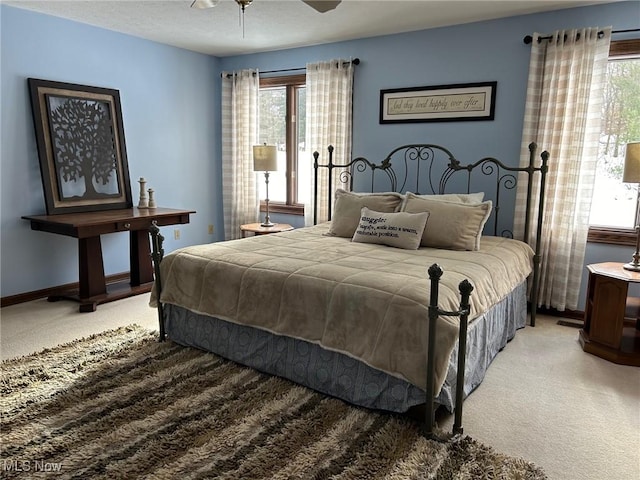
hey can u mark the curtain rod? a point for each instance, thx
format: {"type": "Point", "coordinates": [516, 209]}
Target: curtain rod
{"type": "Point", "coordinates": [355, 61]}
{"type": "Point", "coordinates": [528, 39]}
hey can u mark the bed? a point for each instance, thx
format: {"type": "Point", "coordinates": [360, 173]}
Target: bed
{"type": "Point", "coordinates": [373, 306]}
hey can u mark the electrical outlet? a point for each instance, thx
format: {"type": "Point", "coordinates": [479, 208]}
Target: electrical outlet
{"type": "Point", "coordinates": [210, 230]}
{"type": "Point", "coordinates": [176, 234]}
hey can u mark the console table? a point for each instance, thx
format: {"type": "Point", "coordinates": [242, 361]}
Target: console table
{"type": "Point", "coordinates": [611, 327]}
{"type": "Point", "coordinates": [87, 228]}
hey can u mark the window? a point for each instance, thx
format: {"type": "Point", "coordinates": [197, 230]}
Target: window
{"type": "Point", "coordinates": [282, 123]}
{"type": "Point", "coordinates": [614, 205]}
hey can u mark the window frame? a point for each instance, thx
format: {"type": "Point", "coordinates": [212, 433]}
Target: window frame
{"type": "Point", "coordinates": [617, 235]}
{"type": "Point", "coordinates": [291, 83]}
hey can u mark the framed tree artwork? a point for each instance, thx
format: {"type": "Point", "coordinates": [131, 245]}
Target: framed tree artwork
{"type": "Point", "coordinates": [81, 147]}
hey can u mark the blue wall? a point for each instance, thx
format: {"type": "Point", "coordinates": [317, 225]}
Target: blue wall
{"type": "Point", "coordinates": [171, 113]}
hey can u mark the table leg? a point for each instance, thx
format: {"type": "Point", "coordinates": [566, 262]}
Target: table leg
{"type": "Point", "coordinates": [140, 257]}
{"type": "Point", "coordinates": [92, 281]}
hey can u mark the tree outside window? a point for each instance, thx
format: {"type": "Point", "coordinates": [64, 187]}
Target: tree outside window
{"type": "Point", "coordinates": [614, 205]}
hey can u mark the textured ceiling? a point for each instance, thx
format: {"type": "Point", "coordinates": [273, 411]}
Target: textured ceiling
{"type": "Point", "coordinates": [279, 24]}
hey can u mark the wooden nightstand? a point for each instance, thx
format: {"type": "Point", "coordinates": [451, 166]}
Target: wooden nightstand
{"type": "Point", "coordinates": [258, 229]}
{"type": "Point", "coordinates": [610, 321]}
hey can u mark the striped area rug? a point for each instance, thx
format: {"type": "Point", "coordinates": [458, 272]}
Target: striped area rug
{"type": "Point", "coordinates": [122, 405]}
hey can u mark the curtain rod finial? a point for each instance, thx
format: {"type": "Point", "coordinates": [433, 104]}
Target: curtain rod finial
{"type": "Point", "coordinates": [528, 39]}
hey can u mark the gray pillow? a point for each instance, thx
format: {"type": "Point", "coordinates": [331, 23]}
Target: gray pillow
{"type": "Point", "coordinates": [401, 230]}
{"type": "Point", "coordinates": [450, 197]}
{"type": "Point", "coordinates": [348, 205]}
{"type": "Point", "coordinates": [454, 226]}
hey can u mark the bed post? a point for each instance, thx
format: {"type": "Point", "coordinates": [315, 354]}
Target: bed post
{"type": "Point", "coordinates": [315, 187]}
{"type": "Point", "coordinates": [435, 273]}
{"type": "Point", "coordinates": [544, 168]}
{"type": "Point", "coordinates": [329, 166]}
{"type": "Point", "coordinates": [157, 254]}
{"type": "Point", "coordinates": [465, 288]}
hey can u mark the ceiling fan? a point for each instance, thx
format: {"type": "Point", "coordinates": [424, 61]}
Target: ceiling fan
{"type": "Point", "coordinates": [318, 5]}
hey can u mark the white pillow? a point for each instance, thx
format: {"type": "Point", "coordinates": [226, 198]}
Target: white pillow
{"type": "Point", "coordinates": [401, 230]}
{"type": "Point", "coordinates": [454, 226]}
{"type": "Point", "coordinates": [348, 206]}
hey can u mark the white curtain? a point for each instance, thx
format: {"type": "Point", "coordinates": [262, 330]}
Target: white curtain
{"type": "Point", "coordinates": [567, 75]}
{"type": "Point", "coordinates": [329, 91]}
{"type": "Point", "coordinates": [240, 91]}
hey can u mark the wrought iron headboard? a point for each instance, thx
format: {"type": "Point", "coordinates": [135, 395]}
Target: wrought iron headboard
{"type": "Point", "coordinates": [430, 168]}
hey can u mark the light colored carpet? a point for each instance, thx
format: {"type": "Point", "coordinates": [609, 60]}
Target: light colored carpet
{"type": "Point", "coordinates": [122, 405]}
{"type": "Point", "coordinates": [573, 414]}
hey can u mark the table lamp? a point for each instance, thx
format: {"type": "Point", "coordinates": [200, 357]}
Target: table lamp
{"type": "Point", "coordinates": [265, 159]}
{"type": "Point", "coordinates": [632, 175]}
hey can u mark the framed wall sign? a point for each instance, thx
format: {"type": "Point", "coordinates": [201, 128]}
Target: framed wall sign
{"type": "Point", "coordinates": [81, 147]}
{"type": "Point", "coordinates": [439, 103]}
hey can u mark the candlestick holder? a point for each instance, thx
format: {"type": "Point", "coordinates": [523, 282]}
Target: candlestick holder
{"type": "Point", "coordinates": [152, 200]}
{"type": "Point", "coordinates": [143, 202]}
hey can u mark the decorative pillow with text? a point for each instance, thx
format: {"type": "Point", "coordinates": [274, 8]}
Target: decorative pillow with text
{"type": "Point", "coordinates": [401, 230]}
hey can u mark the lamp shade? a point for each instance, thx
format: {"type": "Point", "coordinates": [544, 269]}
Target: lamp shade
{"type": "Point", "coordinates": [265, 158]}
{"type": "Point", "coordinates": [204, 3]}
{"type": "Point", "coordinates": [632, 163]}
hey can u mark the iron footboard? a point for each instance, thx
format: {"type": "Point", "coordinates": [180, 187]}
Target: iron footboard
{"type": "Point", "coordinates": [465, 287]}
{"type": "Point", "coordinates": [157, 253]}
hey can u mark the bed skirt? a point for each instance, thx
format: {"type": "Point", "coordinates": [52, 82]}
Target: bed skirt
{"type": "Point", "coordinates": [337, 374]}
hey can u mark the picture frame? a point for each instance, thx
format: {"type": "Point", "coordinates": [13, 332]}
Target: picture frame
{"type": "Point", "coordinates": [439, 103]}
{"type": "Point", "coordinates": [81, 147]}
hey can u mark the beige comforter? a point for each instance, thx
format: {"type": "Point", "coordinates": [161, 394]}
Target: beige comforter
{"type": "Point", "coordinates": [367, 301]}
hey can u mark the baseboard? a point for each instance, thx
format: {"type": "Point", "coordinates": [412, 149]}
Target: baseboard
{"type": "Point", "coordinates": [571, 323]}
{"type": "Point", "coordinates": [47, 292]}
{"type": "Point", "coordinates": [575, 318]}
{"type": "Point", "coordinates": [570, 314]}
{"type": "Point", "coordinates": [568, 318]}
